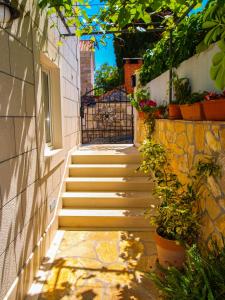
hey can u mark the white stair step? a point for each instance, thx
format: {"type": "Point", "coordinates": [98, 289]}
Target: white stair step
{"type": "Point", "coordinates": [108, 184]}
{"type": "Point", "coordinates": [105, 158]}
{"type": "Point", "coordinates": [104, 170]}
{"type": "Point", "coordinates": [77, 218]}
{"type": "Point", "coordinates": [108, 199]}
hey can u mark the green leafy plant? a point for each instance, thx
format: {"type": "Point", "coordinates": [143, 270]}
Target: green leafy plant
{"type": "Point", "coordinates": [106, 78]}
{"type": "Point", "coordinates": [182, 88]}
{"type": "Point", "coordinates": [186, 36]}
{"type": "Point", "coordinates": [214, 22]}
{"type": "Point", "coordinates": [175, 101]}
{"type": "Point", "coordinates": [203, 276]}
{"type": "Point", "coordinates": [182, 91]}
{"type": "Point", "coordinates": [142, 102]}
{"type": "Point", "coordinates": [178, 216]}
{"type": "Point", "coordinates": [194, 98]}
{"type": "Point", "coordinates": [114, 15]}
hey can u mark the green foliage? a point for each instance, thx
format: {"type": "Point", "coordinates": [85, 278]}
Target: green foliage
{"type": "Point", "coordinates": [195, 97]}
{"type": "Point", "coordinates": [186, 37]}
{"type": "Point", "coordinates": [124, 13]}
{"type": "Point", "coordinates": [203, 276]}
{"type": "Point", "coordinates": [114, 15]}
{"type": "Point", "coordinates": [141, 101]}
{"type": "Point", "coordinates": [177, 216]}
{"type": "Point", "coordinates": [182, 88]}
{"type": "Point", "coordinates": [124, 45]}
{"type": "Point", "coordinates": [106, 78]}
{"type": "Point", "coordinates": [141, 94]}
{"type": "Point", "coordinates": [183, 93]}
{"type": "Point", "coordinates": [214, 21]}
{"type": "Point", "coordinates": [208, 168]}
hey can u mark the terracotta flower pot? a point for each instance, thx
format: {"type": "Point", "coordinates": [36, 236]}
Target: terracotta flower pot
{"type": "Point", "coordinates": [214, 110]}
{"type": "Point", "coordinates": [170, 253]}
{"type": "Point", "coordinates": [192, 112]}
{"type": "Point", "coordinates": [174, 112]}
{"type": "Point", "coordinates": [142, 115]}
{"type": "Point", "coordinates": [158, 114]}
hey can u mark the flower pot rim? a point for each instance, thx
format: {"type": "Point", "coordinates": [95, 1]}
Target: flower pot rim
{"type": "Point", "coordinates": [173, 245]}
{"type": "Point", "coordinates": [190, 104]}
{"type": "Point", "coordinates": [214, 100]}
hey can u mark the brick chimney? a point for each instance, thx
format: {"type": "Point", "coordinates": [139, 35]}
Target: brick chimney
{"type": "Point", "coordinates": [87, 66]}
{"type": "Point", "coordinates": [130, 66]}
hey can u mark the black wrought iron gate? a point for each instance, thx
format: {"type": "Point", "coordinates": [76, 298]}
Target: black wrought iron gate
{"type": "Point", "coordinates": [107, 119]}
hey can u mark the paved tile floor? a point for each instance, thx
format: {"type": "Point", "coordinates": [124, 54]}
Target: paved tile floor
{"type": "Point", "coordinates": [101, 266]}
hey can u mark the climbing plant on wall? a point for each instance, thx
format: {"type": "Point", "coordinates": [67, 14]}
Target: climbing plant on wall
{"type": "Point", "coordinates": [185, 39]}
{"type": "Point", "coordinates": [124, 46]}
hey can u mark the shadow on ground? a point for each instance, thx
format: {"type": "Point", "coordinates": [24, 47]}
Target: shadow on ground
{"type": "Point", "coordinates": [101, 265]}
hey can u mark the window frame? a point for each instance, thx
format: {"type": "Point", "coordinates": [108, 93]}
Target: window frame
{"type": "Point", "coordinates": [55, 107]}
{"type": "Point", "coordinates": [48, 73]}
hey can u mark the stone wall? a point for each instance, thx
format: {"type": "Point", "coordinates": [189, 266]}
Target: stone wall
{"type": "Point", "coordinates": [30, 172]}
{"type": "Point", "coordinates": [187, 142]}
{"type": "Point", "coordinates": [87, 69]}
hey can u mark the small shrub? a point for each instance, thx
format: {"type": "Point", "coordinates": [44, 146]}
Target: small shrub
{"type": "Point", "coordinates": [203, 276]}
{"type": "Point", "coordinates": [177, 216]}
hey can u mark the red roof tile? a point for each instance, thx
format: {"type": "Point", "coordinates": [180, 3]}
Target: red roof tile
{"type": "Point", "coordinates": [86, 45]}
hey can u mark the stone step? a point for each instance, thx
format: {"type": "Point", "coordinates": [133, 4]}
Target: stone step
{"type": "Point", "coordinates": [105, 157]}
{"type": "Point", "coordinates": [93, 219]}
{"type": "Point", "coordinates": [108, 199]}
{"type": "Point", "coordinates": [104, 170]}
{"type": "Point", "coordinates": [110, 184]}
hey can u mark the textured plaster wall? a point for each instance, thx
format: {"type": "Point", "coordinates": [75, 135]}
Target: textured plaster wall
{"type": "Point", "coordinates": [30, 178]}
{"type": "Point", "coordinates": [187, 142]}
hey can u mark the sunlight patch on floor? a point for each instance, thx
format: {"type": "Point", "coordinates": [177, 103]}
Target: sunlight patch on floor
{"type": "Point", "coordinates": [100, 265]}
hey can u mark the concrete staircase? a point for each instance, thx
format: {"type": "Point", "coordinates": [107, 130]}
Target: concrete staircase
{"type": "Point", "coordinates": [104, 191]}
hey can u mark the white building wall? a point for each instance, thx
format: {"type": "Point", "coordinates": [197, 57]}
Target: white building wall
{"type": "Point", "coordinates": [196, 68]}
{"type": "Point", "coordinates": [30, 177]}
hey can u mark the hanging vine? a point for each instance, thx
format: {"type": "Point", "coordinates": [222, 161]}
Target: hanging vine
{"type": "Point", "coordinates": [115, 15]}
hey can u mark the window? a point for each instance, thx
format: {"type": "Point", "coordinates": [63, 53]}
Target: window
{"type": "Point", "coordinates": [51, 103]}
{"type": "Point", "coordinates": [46, 97]}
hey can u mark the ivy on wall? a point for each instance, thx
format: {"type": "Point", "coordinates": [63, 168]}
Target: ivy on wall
{"type": "Point", "coordinates": [186, 37]}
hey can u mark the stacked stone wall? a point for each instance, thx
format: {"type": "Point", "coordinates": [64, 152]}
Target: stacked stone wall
{"type": "Point", "coordinates": [187, 142]}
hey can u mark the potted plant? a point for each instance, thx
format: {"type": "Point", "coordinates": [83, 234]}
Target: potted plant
{"type": "Point", "coordinates": [214, 106]}
{"type": "Point", "coordinates": [174, 112]}
{"type": "Point", "coordinates": [142, 102]}
{"type": "Point", "coordinates": [203, 275]}
{"type": "Point", "coordinates": [192, 109]}
{"type": "Point", "coordinates": [161, 111]}
{"type": "Point", "coordinates": [182, 91]}
{"type": "Point", "coordinates": [177, 217]}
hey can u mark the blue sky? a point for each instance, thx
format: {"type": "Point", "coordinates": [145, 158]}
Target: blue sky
{"type": "Point", "coordinates": [105, 54]}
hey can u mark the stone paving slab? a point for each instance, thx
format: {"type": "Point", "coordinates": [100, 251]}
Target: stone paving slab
{"type": "Point", "coordinates": [108, 265]}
